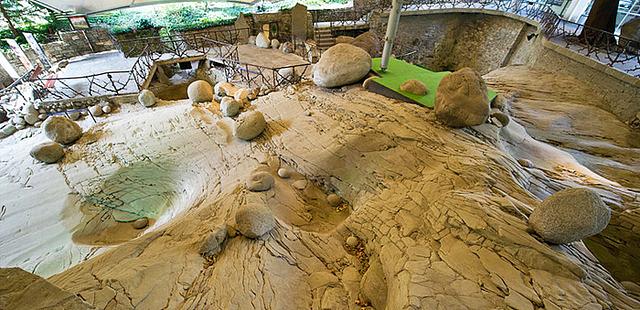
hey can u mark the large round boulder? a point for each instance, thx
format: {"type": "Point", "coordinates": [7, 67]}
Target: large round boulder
{"type": "Point", "coordinates": [262, 41]}
{"type": "Point", "coordinates": [147, 98]}
{"type": "Point", "coordinates": [61, 129]}
{"type": "Point", "coordinates": [570, 215]}
{"type": "Point", "coordinates": [249, 125]}
{"type": "Point", "coordinates": [461, 99]}
{"type": "Point", "coordinates": [48, 152]}
{"type": "Point", "coordinates": [254, 220]}
{"type": "Point", "coordinates": [200, 91]}
{"type": "Point", "coordinates": [369, 42]}
{"type": "Point", "coordinates": [340, 65]}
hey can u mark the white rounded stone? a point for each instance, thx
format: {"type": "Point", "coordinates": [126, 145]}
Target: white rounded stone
{"type": "Point", "coordinates": [147, 98]}
{"type": "Point", "coordinates": [262, 41]}
{"type": "Point", "coordinates": [249, 125]}
{"type": "Point", "coordinates": [285, 173]}
{"type": "Point", "coordinates": [340, 65]}
{"type": "Point", "coordinates": [275, 44]}
{"type": "Point", "coordinates": [229, 107]}
{"type": "Point", "coordinates": [200, 91]}
{"type": "Point", "coordinates": [96, 110]}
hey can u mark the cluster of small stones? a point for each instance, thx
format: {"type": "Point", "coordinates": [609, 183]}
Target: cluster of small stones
{"type": "Point", "coordinates": [262, 42]}
{"type": "Point", "coordinates": [34, 114]}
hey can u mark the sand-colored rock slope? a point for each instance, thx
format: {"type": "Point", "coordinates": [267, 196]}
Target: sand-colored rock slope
{"type": "Point", "coordinates": [438, 215]}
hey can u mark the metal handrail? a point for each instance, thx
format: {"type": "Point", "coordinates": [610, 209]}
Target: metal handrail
{"type": "Point", "coordinates": [607, 48]}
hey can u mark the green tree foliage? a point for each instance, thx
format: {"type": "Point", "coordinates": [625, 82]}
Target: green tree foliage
{"type": "Point", "coordinates": [27, 18]}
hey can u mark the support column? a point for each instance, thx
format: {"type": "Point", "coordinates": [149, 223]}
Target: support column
{"type": "Point", "coordinates": [392, 27]}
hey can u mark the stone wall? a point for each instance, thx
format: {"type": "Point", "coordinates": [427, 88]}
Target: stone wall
{"type": "Point", "coordinates": [5, 79]}
{"type": "Point", "coordinates": [451, 41]}
{"type": "Point", "coordinates": [283, 19]}
{"type": "Point", "coordinates": [618, 91]}
{"type": "Point", "coordinates": [79, 42]}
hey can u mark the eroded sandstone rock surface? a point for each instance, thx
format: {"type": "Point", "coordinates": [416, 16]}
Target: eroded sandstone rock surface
{"type": "Point", "coordinates": [438, 216]}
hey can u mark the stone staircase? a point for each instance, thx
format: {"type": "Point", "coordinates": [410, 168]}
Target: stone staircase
{"type": "Point", "coordinates": [324, 38]}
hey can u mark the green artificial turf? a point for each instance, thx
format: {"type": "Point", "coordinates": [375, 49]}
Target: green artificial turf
{"type": "Point", "coordinates": [400, 71]}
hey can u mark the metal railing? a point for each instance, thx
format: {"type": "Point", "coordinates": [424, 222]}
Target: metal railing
{"type": "Point", "coordinates": [273, 78]}
{"type": "Point", "coordinates": [342, 18]}
{"type": "Point", "coordinates": [607, 48]}
{"type": "Point", "coordinates": [135, 47]}
{"type": "Point", "coordinates": [131, 81]}
{"type": "Point", "coordinates": [60, 88]}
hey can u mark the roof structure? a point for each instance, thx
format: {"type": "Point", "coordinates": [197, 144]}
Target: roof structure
{"type": "Point", "coordinates": [86, 7]}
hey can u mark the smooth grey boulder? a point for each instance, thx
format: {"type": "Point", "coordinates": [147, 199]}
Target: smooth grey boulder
{"type": "Point", "coordinates": [200, 91]}
{"type": "Point", "coordinates": [249, 125]}
{"type": "Point", "coordinates": [147, 98]}
{"type": "Point", "coordinates": [212, 245]}
{"type": "Point", "coordinates": [461, 99]}
{"type": "Point", "coordinates": [62, 130]}
{"type": "Point", "coordinates": [229, 107]}
{"type": "Point", "coordinates": [259, 181]}
{"type": "Point", "coordinates": [570, 215]}
{"type": "Point", "coordinates": [254, 220]}
{"type": "Point", "coordinates": [7, 129]}
{"type": "Point", "coordinates": [48, 152]}
{"type": "Point", "coordinates": [340, 65]}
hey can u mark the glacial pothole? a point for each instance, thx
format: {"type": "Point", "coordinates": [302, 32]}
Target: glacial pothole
{"type": "Point", "coordinates": [143, 190]}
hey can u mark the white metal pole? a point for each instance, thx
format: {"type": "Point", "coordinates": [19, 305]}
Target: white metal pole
{"type": "Point", "coordinates": [392, 27]}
